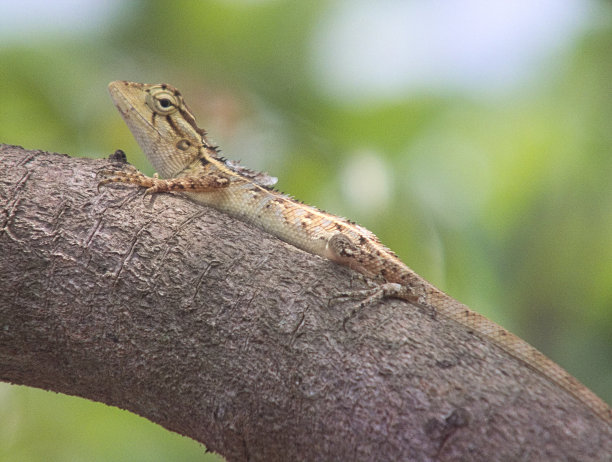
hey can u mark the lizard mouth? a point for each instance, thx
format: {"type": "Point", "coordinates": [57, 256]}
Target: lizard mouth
{"type": "Point", "coordinates": [118, 97]}
{"type": "Point", "coordinates": [127, 110]}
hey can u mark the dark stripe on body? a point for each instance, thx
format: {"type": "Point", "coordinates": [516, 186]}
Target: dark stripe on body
{"type": "Point", "coordinates": [190, 119]}
{"type": "Point", "coordinates": [174, 127]}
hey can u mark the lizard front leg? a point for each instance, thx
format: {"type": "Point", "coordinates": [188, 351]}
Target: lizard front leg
{"type": "Point", "coordinates": [205, 183]}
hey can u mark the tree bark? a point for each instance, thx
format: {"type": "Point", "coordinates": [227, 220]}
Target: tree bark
{"type": "Point", "coordinates": [220, 332]}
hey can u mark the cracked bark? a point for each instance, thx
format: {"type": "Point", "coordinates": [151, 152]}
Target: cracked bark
{"type": "Point", "coordinates": [215, 330]}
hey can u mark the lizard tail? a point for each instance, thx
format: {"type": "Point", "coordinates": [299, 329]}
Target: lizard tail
{"type": "Point", "coordinates": [521, 350]}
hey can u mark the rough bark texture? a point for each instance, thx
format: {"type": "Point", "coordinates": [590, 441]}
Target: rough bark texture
{"type": "Point", "coordinates": [220, 332]}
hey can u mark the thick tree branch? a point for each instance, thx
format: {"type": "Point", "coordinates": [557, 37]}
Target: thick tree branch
{"type": "Point", "coordinates": [220, 332]}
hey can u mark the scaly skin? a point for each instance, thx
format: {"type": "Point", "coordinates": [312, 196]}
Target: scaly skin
{"type": "Point", "coordinates": [167, 132]}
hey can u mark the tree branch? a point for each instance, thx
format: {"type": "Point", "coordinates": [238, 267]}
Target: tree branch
{"type": "Point", "coordinates": [213, 329]}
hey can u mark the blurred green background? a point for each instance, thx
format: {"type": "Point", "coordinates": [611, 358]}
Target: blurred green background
{"type": "Point", "coordinates": [474, 138]}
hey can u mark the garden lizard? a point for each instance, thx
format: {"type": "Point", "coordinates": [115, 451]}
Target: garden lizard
{"type": "Point", "coordinates": [179, 150]}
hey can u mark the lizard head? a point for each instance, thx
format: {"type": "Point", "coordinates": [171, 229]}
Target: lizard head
{"type": "Point", "coordinates": [161, 122]}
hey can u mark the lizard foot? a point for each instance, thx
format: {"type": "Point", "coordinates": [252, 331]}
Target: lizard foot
{"type": "Point", "coordinates": [376, 294]}
{"type": "Point", "coordinates": [152, 185]}
{"type": "Point", "coordinates": [368, 297]}
{"type": "Point", "coordinates": [129, 175]}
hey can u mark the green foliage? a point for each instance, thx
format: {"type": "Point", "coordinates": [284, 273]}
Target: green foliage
{"type": "Point", "coordinates": [44, 426]}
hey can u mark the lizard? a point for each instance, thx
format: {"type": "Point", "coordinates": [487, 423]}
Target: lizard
{"type": "Point", "coordinates": [166, 130]}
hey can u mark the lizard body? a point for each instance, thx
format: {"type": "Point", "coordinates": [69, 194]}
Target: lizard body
{"type": "Point", "coordinates": [166, 130]}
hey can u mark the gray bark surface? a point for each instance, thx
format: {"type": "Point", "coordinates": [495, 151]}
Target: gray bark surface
{"type": "Point", "coordinates": [220, 332]}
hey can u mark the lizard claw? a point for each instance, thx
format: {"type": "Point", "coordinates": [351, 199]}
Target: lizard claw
{"type": "Point", "coordinates": [367, 297]}
{"type": "Point", "coordinates": [374, 295]}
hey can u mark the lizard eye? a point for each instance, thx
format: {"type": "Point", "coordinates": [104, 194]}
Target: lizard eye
{"type": "Point", "coordinates": [162, 101]}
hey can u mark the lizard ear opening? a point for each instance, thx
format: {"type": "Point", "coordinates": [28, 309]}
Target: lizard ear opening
{"type": "Point", "coordinates": [183, 144]}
